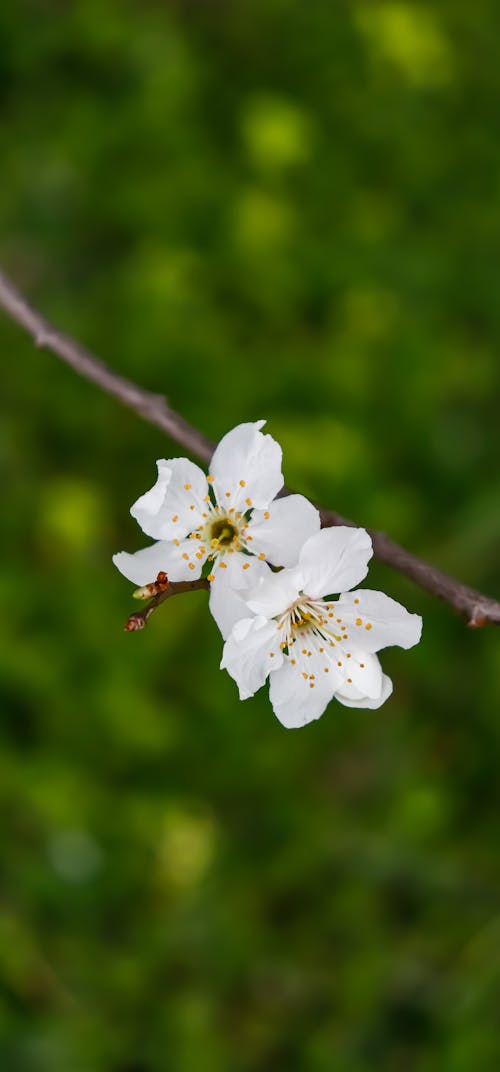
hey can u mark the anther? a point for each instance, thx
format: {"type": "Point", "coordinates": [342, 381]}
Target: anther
{"type": "Point", "coordinates": [359, 621]}
{"type": "Point", "coordinates": [210, 479]}
{"type": "Point", "coordinates": [210, 577]}
{"type": "Point", "coordinates": [248, 502]}
{"type": "Point", "coordinates": [247, 565]}
{"type": "Point", "coordinates": [187, 487]}
{"type": "Point", "coordinates": [185, 555]}
{"type": "Point", "coordinates": [368, 626]}
{"type": "Point", "coordinates": [191, 565]}
{"type": "Point", "coordinates": [175, 517]}
{"type": "Point", "coordinates": [243, 483]}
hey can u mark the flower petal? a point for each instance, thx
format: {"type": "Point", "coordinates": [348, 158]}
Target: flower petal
{"type": "Point", "coordinates": [250, 653]}
{"type": "Point", "coordinates": [334, 560]}
{"type": "Point", "coordinates": [280, 531]}
{"type": "Point", "coordinates": [376, 621]}
{"type": "Point", "coordinates": [361, 670]}
{"type": "Point", "coordinates": [295, 698]}
{"type": "Point", "coordinates": [274, 593]}
{"type": "Point", "coordinates": [240, 571]}
{"type": "Point", "coordinates": [178, 562]}
{"type": "Point", "coordinates": [227, 602]}
{"type": "Point", "coordinates": [144, 566]}
{"type": "Point", "coordinates": [352, 697]}
{"type": "Point", "coordinates": [246, 467]}
{"type": "Point", "coordinates": [174, 506]}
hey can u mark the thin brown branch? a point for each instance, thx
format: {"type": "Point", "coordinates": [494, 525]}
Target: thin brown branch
{"type": "Point", "coordinates": [477, 608]}
{"type": "Point", "coordinates": [175, 588]}
{"type": "Point", "coordinates": [154, 408]}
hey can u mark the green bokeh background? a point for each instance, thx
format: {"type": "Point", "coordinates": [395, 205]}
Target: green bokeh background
{"type": "Point", "coordinates": [263, 209]}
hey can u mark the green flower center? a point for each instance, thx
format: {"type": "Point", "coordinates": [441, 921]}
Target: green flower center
{"type": "Point", "coordinates": [223, 531]}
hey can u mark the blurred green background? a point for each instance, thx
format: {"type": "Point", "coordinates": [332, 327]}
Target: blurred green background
{"type": "Point", "coordinates": [263, 209]}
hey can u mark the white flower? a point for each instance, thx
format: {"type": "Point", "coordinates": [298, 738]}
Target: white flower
{"type": "Point", "coordinates": [231, 517]}
{"type": "Point", "coordinates": [312, 646]}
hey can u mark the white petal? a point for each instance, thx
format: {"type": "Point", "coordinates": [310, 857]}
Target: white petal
{"type": "Point", "coordinates": [361, 670]}
{"type": "Point", "coordinates": [178, 562]}
{"type": "Point", "coordinates": [227, 604]}
{"type": "Point", "coordinates": [246, 467]}
{"type": "Point", "coordinates": [280, 531]}
{"type": "Point", "coordinates": [274, 593]}
{"type": "Point", "coordinates": [242, 572]}
{"type": "Point", "coordinates": [174, 506]}
{"type": "Point", "coordinates": [376, 621]}
{"type": "Point", "coordinates": [250, 653]}
{"type": "Point", "coordinates": [297, 700]}
{"type": "Point", "coordinates": [352, 697]}
{"type": "Point", "coordinates": [334, 560]}
{"type": "Point", "coordinates": [144, 566]}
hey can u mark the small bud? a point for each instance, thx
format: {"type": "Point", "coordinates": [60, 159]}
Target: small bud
{"type": "Point", "coordinates": [153, 589]}
{"type": "Point", "coordinates": [134, 623]}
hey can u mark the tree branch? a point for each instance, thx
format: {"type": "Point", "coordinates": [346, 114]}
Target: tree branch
{"type": "Point", "coordinates": [154, 408]}
{"type": "Point", "coordinates": [167, 589]}
{"type": "Point", "coordinates": [477, 608]}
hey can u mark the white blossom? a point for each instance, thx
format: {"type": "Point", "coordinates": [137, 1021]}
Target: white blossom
{"type": "Point", "coordinates": [312, 643]}
{"type": "Point", "coordinates": [230, 518]}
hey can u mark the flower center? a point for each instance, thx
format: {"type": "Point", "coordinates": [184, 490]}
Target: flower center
{"type": "Point", "coordinates": [311, 617]}
{"type": "Point", "coordinates": [223, 531]}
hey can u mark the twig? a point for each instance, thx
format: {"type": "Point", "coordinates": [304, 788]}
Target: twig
{"type": "Point", "coordinates": [154, 408]}
{"type": "Point", "coordinates": [175, 588]}
{"type": "Point", "coordinates": [477, 608]}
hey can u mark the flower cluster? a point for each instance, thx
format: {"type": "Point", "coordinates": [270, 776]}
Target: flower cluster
{"type": "Point", "coordinates": [281, 589]}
